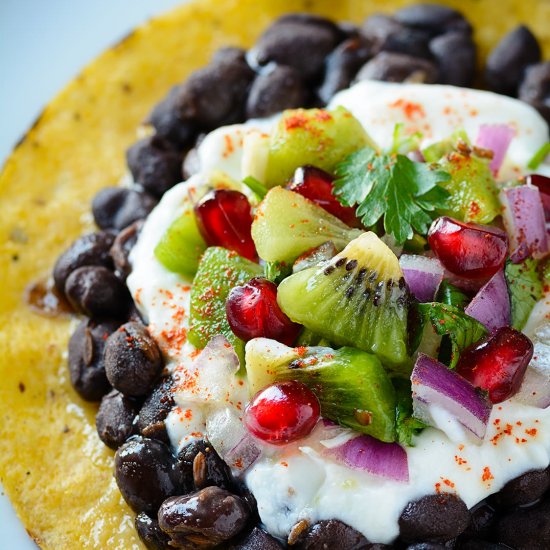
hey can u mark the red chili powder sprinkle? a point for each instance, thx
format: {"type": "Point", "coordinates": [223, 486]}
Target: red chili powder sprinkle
{"type": "Point", "coordinates": [238, 463]}
{"type": "Point", "coordinates": [532, 432]}
{"type": "Point", "coordinates": [438, 488]}
{"type": "Point", "coordinates": [285, 464]}
{"type": "Point", "coordinates": [487, 475]}
{"type": "Point", "coordinates": [410, 109]}
{"type": "Point", "coordinates": [229, 147]}
{"type": "Point", "coordinates": [188, 414]}
{"type": "Point", "coordinates": [301, 350]}
{"type": "Point", "coordinates": [460, 461]}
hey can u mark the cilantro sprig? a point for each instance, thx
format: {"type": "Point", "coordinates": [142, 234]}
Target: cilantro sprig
{"type": "Point", "coordinates": [404, 192]}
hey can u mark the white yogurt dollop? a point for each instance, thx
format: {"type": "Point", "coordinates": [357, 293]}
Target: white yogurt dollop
{"type": "Point", "coordinates": [295, 482]}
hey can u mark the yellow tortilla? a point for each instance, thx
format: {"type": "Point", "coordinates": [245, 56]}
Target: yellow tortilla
{"type": "Point", "coordinates": [53, 467]}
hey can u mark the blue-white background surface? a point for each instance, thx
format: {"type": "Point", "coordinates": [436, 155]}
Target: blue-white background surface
{"type": "Point", "coordinates": [43, 44]}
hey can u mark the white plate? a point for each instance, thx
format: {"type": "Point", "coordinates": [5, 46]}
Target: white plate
{"type": "Point", "coordinates": [48, 43]}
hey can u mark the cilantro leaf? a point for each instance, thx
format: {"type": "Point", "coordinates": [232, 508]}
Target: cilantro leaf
{"type": "Point", "coordinates": [451, 295]}
{"type": "Point", "coordinates": [525, 288]}
{"type": "Point", "coordinates": [406, 425]}
{"type": "Point", "coordinates": [462, 329]}
{"type": "Point", "coordinates": [391, 185]}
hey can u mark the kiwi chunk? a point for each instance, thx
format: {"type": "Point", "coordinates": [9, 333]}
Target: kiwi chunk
{"type": "Point", "coordinates": [312, 136]}
{"type": "Point", "coordinates": [287, 224]}
{"type": "Point", "coordinates": [472, 188]}
{"type": "Point", "coordinates": [358, 298]}
{"type": "Point", "coordinates": [219, 271]}
{"type": "Point", "coordinates": [182, 245]}
{"type": "Point", "coordinates": [352, 386]}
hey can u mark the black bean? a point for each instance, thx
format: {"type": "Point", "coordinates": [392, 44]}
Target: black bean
{"type": "Point", "coordinates": [257, 539]}
{"type": "Point", "coordinates": [144, 472]}
{"type": "Point", "coordinates": [86, 365]}
{"type": "Point", "coordinates": [434, 18]}
{"type": "Point", "coordinates": [432, 545]}
{"type": "Point", "coordinates": [524, 489]}
{"type": "Point", "coordinates": [331, 534]}
{"type": "Point", "coordinates": [91, 249]}
{"type": "Point", "coordinates": [155, 409]}
{"type": "Point", "coordinates": [122, 246]}
{"type": "Point", "coordinates": [155, 164]}
{"type": "Point", "coordinates": [276, 90]}
{"type": "Point", "coordinates": [342, 65]}
{"type": "Point", "coordinates": [398, 67]}
{"type": "Point", "coordinates": [205, 471]}
{"type": "Point", "coordinates": [378, 28]}
{"type": "Point", "coordinates": [477, 544]}
{"type": "Point", "coordinates": [526, 528]}
{"type": "Point", "coordinates": [115, 419]}
{"type": "Point", "coordinates": [201, 101]}
{"type": "Point", "coordinates": [168, 123]}
{"type": "Point", "coordinates": [133, 361]}
{"type": "Point", "coordinates": [150, 533]}
{"type": "Point", "coordinates": [455, 54]}
{"type": "Point", "coordinates": [97, 292]}
{"type": "Point", "coordinates": [535, 88]}
{"type": "Point", "coordinates": [118, 207]}
{"type": "Point", "coordinates": [482, 516]}
{"type": "Point", "coordinates": [207, 518]}
{"type": "Point", "coordinates": [299, 42]}
{"type": "Point", "coordinates": [507, 62]}
{"type": "Point", "coordinates": [434, 518]}
{"type": "Point", "coordinates": [413, 42]}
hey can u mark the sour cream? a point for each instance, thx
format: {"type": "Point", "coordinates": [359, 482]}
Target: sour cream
{"type": "Point", "coordinates": [297, 482]}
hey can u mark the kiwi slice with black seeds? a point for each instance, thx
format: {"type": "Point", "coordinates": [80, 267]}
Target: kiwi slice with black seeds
{"type": "Point", "coordinates": [358, 298]}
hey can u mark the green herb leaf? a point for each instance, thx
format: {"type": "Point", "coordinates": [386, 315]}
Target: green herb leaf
{"type": "Point", "coordinates": [404, 192]}
{"type": "Point", "coordinates": [525, 288]}
{"type": "Point", "coordinates": [406, 425]}
{"type": "Point", "coordinates": [256, 187]}
{"type": "Point", "coordinates": [539, 156]}
{"type": "Point", "coordinates": [402, 142]}
{"type": "Point", "coordinates": [451, 295]}
{"type": "Point", "coordinates": [462, 329]}
{"type": "Point", "coordinates": [277, 271]}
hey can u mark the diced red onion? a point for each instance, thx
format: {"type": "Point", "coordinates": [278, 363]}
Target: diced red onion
{"type": "Point", "coordinates": [491, 305]}
{"type": "Point", "coordinates": [423, 275]}
{"type": "Point", "coordinates": [387, 460]}
{"type": "Point", "coordinates": [433, 384]}
{"type": "Point", "coordinates": [243, 455]}
{"type": "Point", "coordinates": [227, 434]}
{"type": "Point", "coordinates": [497, 138]}
{"type": "Point", "coordinates": [523, 218]}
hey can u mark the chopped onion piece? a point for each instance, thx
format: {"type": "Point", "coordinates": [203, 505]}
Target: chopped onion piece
{"type": "Point", "coordinates": [243, 455]}
{"type": "Point", "coordinates": [535, 388]}
{"type": "Point", "coordinates": [435, 384]}
{"type": "Point", "coordinates": [387, 460]}
{"type": "Point", "coordinates": [523, 218]}
{"type": "Point", "coordinates": [491, 305]}
{"type": "Point", "coordinates": [497, 138]}
{"type": "Point", "coordinates": [423, 275]}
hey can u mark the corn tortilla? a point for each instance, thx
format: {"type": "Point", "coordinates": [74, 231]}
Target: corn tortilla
{"type": "Point", "coordinates": [52, 465]}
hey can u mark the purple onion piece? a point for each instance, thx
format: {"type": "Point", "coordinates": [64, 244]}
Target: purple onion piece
{"type": "Point", "coordinates": [497, 138]}
{"type": "Point", "coordinates": [243, 455]}
{"type": "Point", "coordinates": [433, 384]}
{"type": "Point", "coordinates": [387, 460]}
{"type": "Point", "coordinates": [491, 305]}
{"type": "Point", "coordinates": [524, 220]}
{"type": "Point", "coordinates": [423, 275]}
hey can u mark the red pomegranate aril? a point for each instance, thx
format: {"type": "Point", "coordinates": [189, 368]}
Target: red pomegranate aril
{"type": "Point", "coordinates": [224, 218]}
{"type": "Point", "coordinates": [317, 185]}
{"type": "Point", "coordinates": [543, 185]}
{"type": "Point", "coordinates": [498, 363]}
{"type": "Point", "coordinates": [467, 249]}
{"type": "Point", "coordinates": [253, 312]}
{"type": "Point", "coordinates": [282, 413]}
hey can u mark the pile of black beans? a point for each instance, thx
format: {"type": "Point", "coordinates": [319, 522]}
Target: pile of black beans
{"type": "Point", "coordinates": [191, 500]}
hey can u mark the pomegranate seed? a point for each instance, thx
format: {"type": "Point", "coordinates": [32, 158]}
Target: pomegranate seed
{"type": "Point", "coordinates": [543, 184]}
{"type": "Point", "coordinates": [467, 249]}
{"type": "Point", "coordinates": [282, 412]}
{"type": "Point", "coordinates": [316, 185]}
{"type": "Point", "coordinates": [224, 219]}
{"type": "Point", "coordinates": [497, 364]}
{"type": "Point", "coordinates": [253, 312]}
